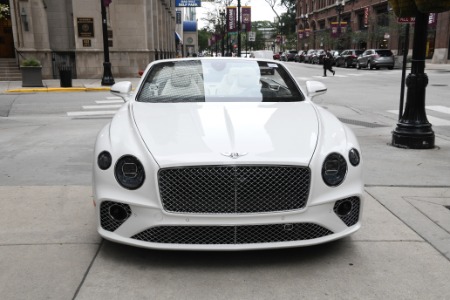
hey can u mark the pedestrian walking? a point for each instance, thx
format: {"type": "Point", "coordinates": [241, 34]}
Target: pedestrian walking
{"type": "Point", "coordinates": [327, 60]}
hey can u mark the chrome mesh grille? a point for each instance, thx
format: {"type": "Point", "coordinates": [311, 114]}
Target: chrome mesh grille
{"type": "Point", "coordinates": [248, 234]}
{"type": "Point", "coordinates": [234, 189]}
{"type": "Point", "coordinates": [352, 217]}
{"type": "Point", "coordinates": [106, 221]}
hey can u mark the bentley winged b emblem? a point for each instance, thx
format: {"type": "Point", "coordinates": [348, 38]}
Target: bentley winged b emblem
{"type": "Point", "coordinates": [234, 155]}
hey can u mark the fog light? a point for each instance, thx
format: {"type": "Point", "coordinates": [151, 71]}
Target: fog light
{"type": "Point", "coordinates": [117, 212]}
{"type": "Point", "coordinates": [344, 208]}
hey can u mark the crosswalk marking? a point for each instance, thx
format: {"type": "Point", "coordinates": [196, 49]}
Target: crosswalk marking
{"type": "Point", "coordinates": [90, 113]}
{"type": "Point", "coordinates": [108, 101]}
{"type": "Point", "coordinates": [113, 98]}
{"type": "Point", "coordinates": [433, 120]}
{"type": "Point", "coordinates": [100, 106]}
{"type": "Point", "coordinates": [439, 108]}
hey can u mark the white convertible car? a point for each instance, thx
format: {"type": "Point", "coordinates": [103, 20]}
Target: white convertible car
{"type": "Point", "coordinates": [225, 154]}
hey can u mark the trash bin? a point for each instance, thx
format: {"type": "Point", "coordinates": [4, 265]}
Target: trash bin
{"type": "Point", "coordinates": [65, 76]}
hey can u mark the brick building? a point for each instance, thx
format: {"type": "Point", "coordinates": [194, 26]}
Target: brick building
{"type": "Point", "coordinates": [365, 24]}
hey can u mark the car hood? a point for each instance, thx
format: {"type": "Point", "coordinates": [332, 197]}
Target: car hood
{"type": "Point", "coordinates": [208, 133]}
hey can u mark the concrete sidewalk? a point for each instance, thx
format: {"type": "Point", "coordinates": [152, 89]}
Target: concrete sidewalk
{"type": "Point", "coordinates": [54, 85]}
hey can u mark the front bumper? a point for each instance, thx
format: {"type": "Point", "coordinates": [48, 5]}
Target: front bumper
{"type": "Point", "coordinates": [151, 227]}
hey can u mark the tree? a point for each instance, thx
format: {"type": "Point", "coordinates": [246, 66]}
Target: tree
{"type": "Point", "coordinates": [4, 11]}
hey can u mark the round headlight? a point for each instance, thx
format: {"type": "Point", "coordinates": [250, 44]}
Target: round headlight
{"type": "Point", "coordinates": [129, 172]}
{"type": "Point", "coordinates": [353, 157]}
{"type": "Point", "coordinates": [104, 160]}
{"type": "Point", "coordinates": [334, 169]}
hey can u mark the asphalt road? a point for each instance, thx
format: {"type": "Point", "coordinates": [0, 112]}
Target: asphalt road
{"type": "Point", "coordinates": [49, 248]}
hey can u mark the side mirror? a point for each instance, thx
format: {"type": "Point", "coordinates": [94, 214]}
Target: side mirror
{"type": "Point", "coordinates": [315, 88]}
{"type": "Point", "coordinates": [122, 89]}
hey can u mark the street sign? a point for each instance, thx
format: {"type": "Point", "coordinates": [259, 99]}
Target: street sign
{"type": "Point", "coordinates": [252, 36]}
{"type": "Point", "coordinates": [411, 20]}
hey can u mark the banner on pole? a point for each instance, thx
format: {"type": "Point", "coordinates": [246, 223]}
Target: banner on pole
{"type": "Point", "coordinates": [231, 18]}
{"type": "Point", "coordinates": [247, 18]}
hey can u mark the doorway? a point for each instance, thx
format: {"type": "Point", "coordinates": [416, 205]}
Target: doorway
{"type": "Point", "coordinates": [6, 35]}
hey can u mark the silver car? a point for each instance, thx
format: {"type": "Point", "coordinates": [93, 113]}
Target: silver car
{"type": "Point", "coordinates": [376, 58]}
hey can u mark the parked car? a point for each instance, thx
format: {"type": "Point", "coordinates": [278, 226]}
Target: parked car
{"type": "Point", "coordinates": [276, 56]}
{"type": "Point", "coordinates": [318, 56]}
{"type": "Point", "coordinates": [288, 55]}
{"type": "Point", "coordinates": [308, 56]}
{"type": "Point", "coordinates": [335, 54]}
{"type": "Point", "coordinates": [376, 58]}
{"type": "Point", "coordinates": [348, 58]}
{"type": "Point", "coordinates": [267, 54]}
{"type": "Point", "coordinates": [300, 56]}
{"type": "Point", "coordinates": [209, 177]}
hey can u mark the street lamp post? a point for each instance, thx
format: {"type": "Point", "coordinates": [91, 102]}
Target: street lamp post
{"type": "Point", "coordinates": [281, 25]}
{"type": "Point", "coordinates": [339, 8]}
{"type": "Point", "coordinates": [413, 130]}
{"type": "Point", "coordinates": [239, 28]}
{"type": "Point", "coordinates": [304, 18]}
{"type": "Point", "coordinates": [107, 78]}
{"type": "Point", "coordinates": [222, 18]}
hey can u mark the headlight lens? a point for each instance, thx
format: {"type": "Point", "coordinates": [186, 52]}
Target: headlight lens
{"type": "Point", "coordinates": [334, 169]}
{"type": "Point", "coordinates": [353, 157]}
{"type": "Point", "coordinates": [129, 172]}
{"type": "Point", "coordinates": [104, 160]}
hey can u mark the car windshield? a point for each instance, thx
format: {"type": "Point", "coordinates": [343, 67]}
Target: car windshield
{"type": "Point", "coordinates": [218, 80]}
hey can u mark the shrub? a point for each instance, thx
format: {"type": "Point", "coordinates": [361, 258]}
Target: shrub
{"type": "Point", "coordinates": [31, 62]}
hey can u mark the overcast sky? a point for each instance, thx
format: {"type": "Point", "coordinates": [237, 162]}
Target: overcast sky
{"type": "Point", "coordinates": [261, 11]}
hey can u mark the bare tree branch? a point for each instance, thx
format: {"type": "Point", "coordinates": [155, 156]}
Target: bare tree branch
{"type": "Point", "coordinates": [272, 4]}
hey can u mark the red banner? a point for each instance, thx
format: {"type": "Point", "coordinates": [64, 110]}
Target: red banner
{"type": "Point", "coordinates": [231, 19]}
{"type": "Point", "coordinates": [247, 18]}
{"type": "Point", "coordinates": [366, 16]}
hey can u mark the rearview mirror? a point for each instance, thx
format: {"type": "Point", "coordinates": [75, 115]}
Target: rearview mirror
{"type": "Point", "coordinates": [315, 88]}
{"type": "Point", "coordinates": [122, 89]}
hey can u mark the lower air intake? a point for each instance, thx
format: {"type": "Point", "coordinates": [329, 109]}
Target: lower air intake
{"type": "Point", "coordinates": [248, 234]}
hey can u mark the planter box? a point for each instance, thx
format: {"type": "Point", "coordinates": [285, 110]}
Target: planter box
{"type": "Point", "coordinates": [31, 76]}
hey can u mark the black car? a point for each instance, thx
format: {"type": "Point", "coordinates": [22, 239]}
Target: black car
{"type": "Point", "coordinates": [348, 58]}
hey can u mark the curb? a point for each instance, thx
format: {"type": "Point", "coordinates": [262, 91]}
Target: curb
{"type": "Point", "coordinates": [49, 90]}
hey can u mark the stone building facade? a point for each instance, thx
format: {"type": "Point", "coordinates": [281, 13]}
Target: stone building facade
{"type": "Point", "coordinates": [365, 24]}
{"type": "Point", "coordinates": [69, 32]}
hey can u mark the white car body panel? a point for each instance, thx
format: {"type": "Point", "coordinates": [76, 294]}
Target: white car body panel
{"type": "Point", "coordinates": [199, 133]}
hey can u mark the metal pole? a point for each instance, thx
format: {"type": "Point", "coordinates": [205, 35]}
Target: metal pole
{"type": "Point", "coordinates": [107, 78]}
{"type": "Point", "coordinates": [413, 130]}
{"type": "Point", "coordinates": [405, 57]}
{"type": "Point", "coordinates": [239, 28]}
